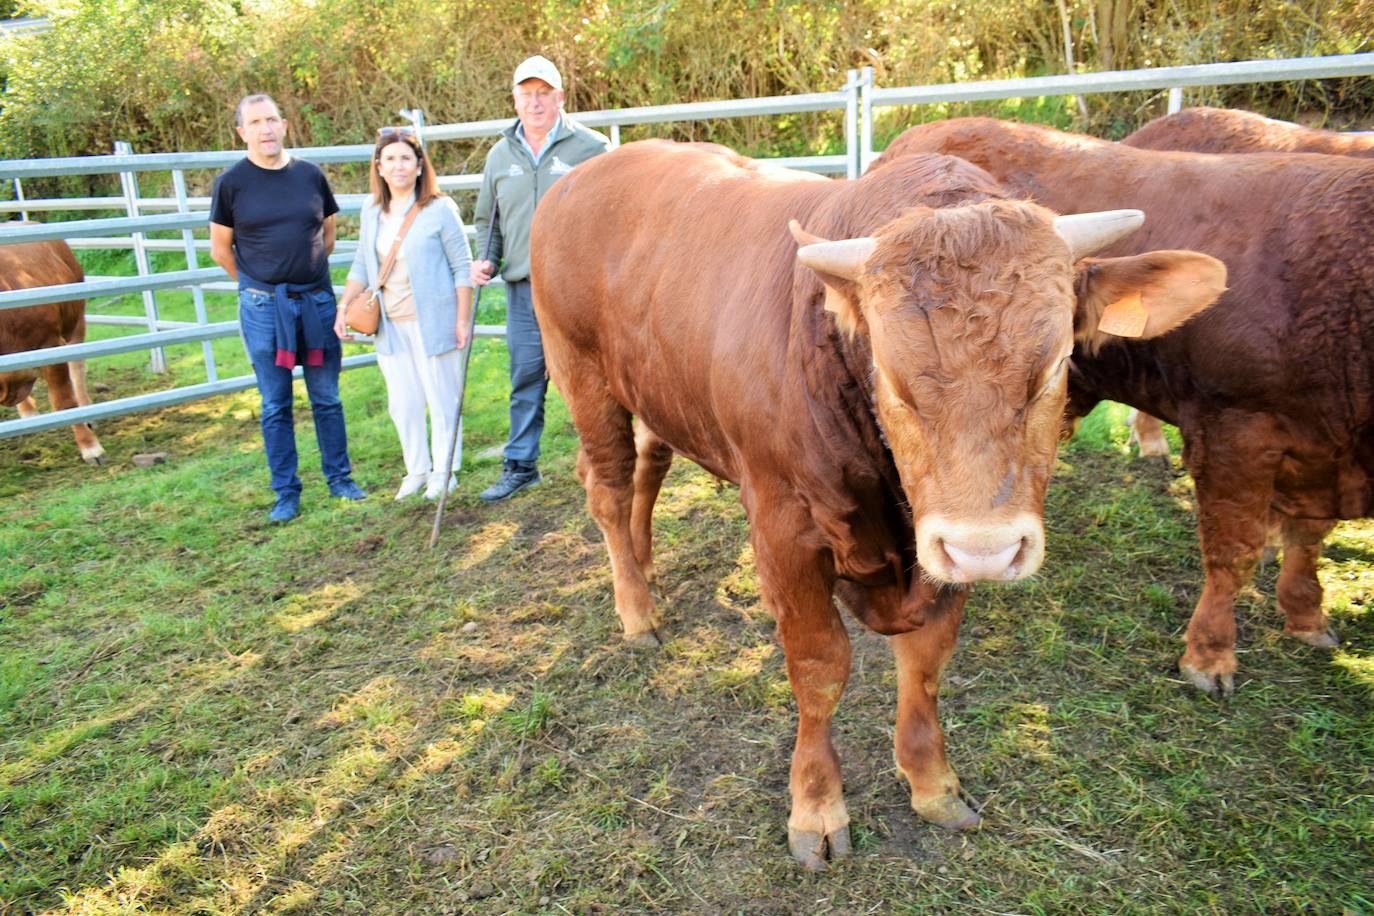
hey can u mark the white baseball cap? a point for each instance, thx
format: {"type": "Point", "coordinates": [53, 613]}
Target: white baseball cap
{"type": "Point", "coordinates": [537, 67]}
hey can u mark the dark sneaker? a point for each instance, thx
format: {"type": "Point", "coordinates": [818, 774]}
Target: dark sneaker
{"type": "Point", "coordinates": [347, 489]}
{"type": "Point", "coordinates": [515, 476]}
{"type": "Point", "coordinates": [286, 508]}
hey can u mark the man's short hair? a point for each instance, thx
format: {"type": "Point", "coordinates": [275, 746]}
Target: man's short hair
{"type": "Point", "coordinates": [253, 100]}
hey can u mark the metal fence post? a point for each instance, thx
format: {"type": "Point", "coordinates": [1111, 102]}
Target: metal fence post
{"type": "Point", "coordinates": [865, 119]}
{"type": "Point", "coordinates": [615, 135]}
{"type": "Point", "coordinates": [128, 182]}
{"type": "Point", "coordinates": [416, 117]}
{"type": "Point", "coordinates": [851, 124]}
{"type": "Point", "coordinates": [1175, 99]}
{"type": "Point", "coordinates": [193, 263]}
{"type": "Point", "coordinates": [19, 196]}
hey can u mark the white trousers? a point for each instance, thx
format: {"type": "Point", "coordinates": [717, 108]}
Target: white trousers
{"type": "Point", "coordinates": [414, 381]}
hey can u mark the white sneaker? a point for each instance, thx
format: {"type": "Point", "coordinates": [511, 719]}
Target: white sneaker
{"type": "Point", "coordinates": [436, 486]}
{"type": "Point", "coordinates": [410, 485]}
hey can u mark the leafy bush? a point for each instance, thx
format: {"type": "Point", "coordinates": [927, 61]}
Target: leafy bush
{"type": "Point", "coordinates": [164, 74]}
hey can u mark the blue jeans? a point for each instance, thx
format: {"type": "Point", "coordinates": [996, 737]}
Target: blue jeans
{"type": "Point", "coordinates": [256, 322]}
{"type": "Point", "coordinates": [528, 383]}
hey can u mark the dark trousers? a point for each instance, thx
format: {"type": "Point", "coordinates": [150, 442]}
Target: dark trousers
{"type": "Point", "coordinates": [528, 383]}
{"type": "Point", "coordinates": [256, 323]}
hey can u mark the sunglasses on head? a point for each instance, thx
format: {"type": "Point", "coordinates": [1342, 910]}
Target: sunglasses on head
{"type": "Point", "coordinates": [395, 132]}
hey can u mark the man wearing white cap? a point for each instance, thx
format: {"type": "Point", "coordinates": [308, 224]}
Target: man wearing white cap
{"type": "Point", "coordinates": [539, 148]}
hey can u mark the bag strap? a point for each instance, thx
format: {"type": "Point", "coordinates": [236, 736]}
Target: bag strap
{"type": "Point", "coordinates": [390, 261]}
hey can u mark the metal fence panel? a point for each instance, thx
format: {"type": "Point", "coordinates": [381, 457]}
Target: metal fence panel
{"type": "Point", "coordinates": [857, 99]}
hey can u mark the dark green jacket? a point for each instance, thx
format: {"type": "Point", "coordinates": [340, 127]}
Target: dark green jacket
{"type": "Point", "coordinates": [510, 175]}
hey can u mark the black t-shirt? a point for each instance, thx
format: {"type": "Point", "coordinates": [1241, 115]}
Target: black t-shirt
{"type": "Point", "coordinates": [278, 219]}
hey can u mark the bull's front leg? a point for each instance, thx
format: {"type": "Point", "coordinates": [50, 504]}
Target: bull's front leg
{"type": "Point", "coordinates": [1300, 594]}
{"type": "Point", "coordinates": [62, 396]}
{"type": "Point", "coordinates": [919, 743]}
{"type": "Point", "coordinates": [1233, 462]}
{"type": "Point", "coordinates": [796, 583]}
{"type": "Point", "coordinates": [1147, 433]}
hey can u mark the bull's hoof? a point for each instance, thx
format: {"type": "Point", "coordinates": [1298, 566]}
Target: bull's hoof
{"type": "Point", "coordinates": [1324, 639]}
{"type": "Point", "coordinates": [644, 639]}
{"type": "Point", "coordinates": [948, 811]}
{"type": "Point", "coordinates": [95, 458]}
{"type": "Point", "coordinates": [1208, 682]}
{"type": "Point", "coordinates": [812, 849]}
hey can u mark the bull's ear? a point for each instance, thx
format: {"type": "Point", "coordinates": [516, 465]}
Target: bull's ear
{"type": "Point", "coordinates": [838, 264]}
{"type": "Point", "coordinates": [1142, 296]}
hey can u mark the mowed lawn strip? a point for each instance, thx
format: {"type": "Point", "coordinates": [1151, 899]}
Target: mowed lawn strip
{"type": "Point", "coordinates": [203, 713]}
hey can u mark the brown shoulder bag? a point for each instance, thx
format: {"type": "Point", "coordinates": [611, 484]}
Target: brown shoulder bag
{"type": "Point", "coordinates": [363, 313]}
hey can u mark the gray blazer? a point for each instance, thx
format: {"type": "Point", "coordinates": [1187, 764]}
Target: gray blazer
{"type": "Point", "coordinates": [436, 252]}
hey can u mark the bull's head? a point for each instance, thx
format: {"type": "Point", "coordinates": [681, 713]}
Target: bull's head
{"type": "Point", "coordinates": [971, 314]}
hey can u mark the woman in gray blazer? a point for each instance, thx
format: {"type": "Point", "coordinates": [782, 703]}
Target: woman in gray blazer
{"type": "Point", "coordinates": [426, 304]}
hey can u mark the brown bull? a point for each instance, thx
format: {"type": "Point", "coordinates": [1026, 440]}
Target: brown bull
{"type": "Point", "coordinates": [1273, 388]}
{"type": "Point", "coordinates": [892, 395]}
{"type": "Point", "coordinates": [25, 266]}
{"type": "Point", "coordinates": [1225, 130]}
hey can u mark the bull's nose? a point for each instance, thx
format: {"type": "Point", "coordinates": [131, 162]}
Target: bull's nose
{"type": "Point", "coordinates": [974, 565]}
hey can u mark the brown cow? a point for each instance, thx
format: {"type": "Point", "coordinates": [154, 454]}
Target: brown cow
{"type": "Point", "coordinates": [25, 266]}
{"type": "Point", "coordinates": [895, 393]}
{"type": "Point", "coordinates": [1225, 130]}
{"type": "Point", "coordinates": [1273, 388]}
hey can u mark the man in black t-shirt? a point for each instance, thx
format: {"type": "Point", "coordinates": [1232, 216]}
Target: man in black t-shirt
{"type": "Point", "coordinates": [272, 229]}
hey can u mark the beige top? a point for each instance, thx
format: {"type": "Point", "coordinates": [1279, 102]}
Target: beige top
{"type": "Point", "coordinates": [397, 294]}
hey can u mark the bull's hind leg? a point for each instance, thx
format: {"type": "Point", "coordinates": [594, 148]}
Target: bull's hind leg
{"type": "Point", "coordinates": [27, 407]}
{"type": "Point", "coordinates": [919, 743]}
{"type": "Point", "coordinates": [606, 464]}
{"type": "Point", "coordinates": [796, 588]}
{"type": "Point", "coordinates": [62, 397]}
{"type": "Point", "coordinates": [1300, 594]}
{"type": "Point", "coordinates": [653, 458]}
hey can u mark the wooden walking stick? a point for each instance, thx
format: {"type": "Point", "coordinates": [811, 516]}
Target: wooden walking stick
{"type": "Point", "coordinates": [463, 383]}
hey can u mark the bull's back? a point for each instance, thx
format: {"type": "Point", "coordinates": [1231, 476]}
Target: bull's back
{"type": "Point", "coordinates": [670, 267]}
{"type": "Point", "coordinates": [1223, 130]}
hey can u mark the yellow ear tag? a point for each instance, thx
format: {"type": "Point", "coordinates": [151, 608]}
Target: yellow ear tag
{"type": "Point", "coordinates": [1126, 317]}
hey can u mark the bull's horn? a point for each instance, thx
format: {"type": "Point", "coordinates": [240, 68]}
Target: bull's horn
{"type": "Point", "coordinates": [1089, 233]}
{"type": "Point", "coordinates": [844, 258]}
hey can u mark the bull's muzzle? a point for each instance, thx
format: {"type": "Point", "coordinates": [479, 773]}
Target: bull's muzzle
{"type": "Point", "coordinates": [962, 552]}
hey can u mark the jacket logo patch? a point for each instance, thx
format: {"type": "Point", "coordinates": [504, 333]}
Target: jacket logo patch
{"type": "Point", "coordinates": [515, 170]}
{"type": "Point", "coordinates": [559, 167]}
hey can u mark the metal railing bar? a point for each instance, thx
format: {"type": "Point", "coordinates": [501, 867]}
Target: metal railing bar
{"type": "Point", "coordinates": [1250, 71]}
{"type": "Point", "coordinates": [349, 204]}
{"type": "Point", "coordinates": [169, 398]}
{"type": "Point", "coordinates": [172, 279]}
{"type": "Point", "coordinates": [115, 345]}
{"type": "Point", "coordinates": [162, 162]}
{"type": "Point", "coordinates": [163, 324]}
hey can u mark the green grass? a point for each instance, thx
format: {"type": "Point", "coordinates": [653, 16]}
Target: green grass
{"type": "Point", "coordinates": [202, 713]}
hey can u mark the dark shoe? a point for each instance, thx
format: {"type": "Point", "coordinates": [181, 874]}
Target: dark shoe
{"type": "Point", "coordinates": [347, 489]}
{"type": "Point", "coordinates": [286, 508]}
{"type": "Point", "coordinates": [515, 476]}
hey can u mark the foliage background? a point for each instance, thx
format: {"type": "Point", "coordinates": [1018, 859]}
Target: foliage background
{"type": "Point", "coordinates": [164, 74]}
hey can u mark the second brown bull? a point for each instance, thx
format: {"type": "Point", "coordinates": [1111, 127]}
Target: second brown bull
{"type": "Point", "coordinates": [1273, 388]}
